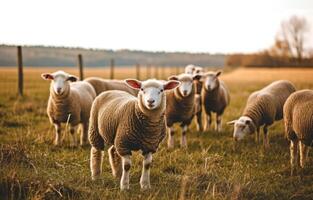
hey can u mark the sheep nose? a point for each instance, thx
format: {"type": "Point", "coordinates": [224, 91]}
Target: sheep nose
{"type": "Point", "coordinates": [151, 101]}
{"type": "Point", "coordinates": [185, 92]}
{"type": "Point", "coordinates": [59, 90]}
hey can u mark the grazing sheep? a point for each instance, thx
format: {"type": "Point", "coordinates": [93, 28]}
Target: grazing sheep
{"type": "Point", "coordinates": [215, 98]}
{"type": "Point", "coordinates": [298, 118]}
{"type": "Point", "coordinates": [101, 85]}
{"type": "Point", "coordinates": [189, 69]}
{"type": "Point", "coordinates": [180, 106]}
{"type": "Point", "coordinates": [263, 107]}
{"type": "Point", "coordinates": [127, 124]}
{"type": "Point", "coordinates": [198, 102]}
{"type": "Point", "coordinates": [69, 102]}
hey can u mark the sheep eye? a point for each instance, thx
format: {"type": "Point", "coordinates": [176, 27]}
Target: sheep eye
{"type": "Point", "coordinates": [161, 90]}
{"type": "Point", "coordinates": [141, 89]}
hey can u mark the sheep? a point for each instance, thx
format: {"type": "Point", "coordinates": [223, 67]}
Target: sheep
{"type": "Point", "coordinates": [198, 103]}
{"type": "Point", "coordinates": [69, 103]}
{"type": "Point", "coordinates": [298, 118]}
{"type": "Point", "coordinates": [263, 107]}
{"type": "Point", "coordinates": [127, 123]}
{"type": "Point", "coordinates": [101, 85]}
{"type": "Point", "coordinates": [180, 106]}
{"type": "Point", "coordinates": [215, 98]}
{"type": "Point", "coordinates": [189, 69]}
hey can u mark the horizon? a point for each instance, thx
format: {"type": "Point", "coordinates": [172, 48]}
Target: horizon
{"type": "Point", "coordinates": [215, 27]}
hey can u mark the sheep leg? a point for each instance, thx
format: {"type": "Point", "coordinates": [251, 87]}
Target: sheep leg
{"type": "Point", "coordinates": [218, 125]}
{"type": "Point", "coordinates": [115, 162]}
{"type": "Point", "coordinates": [183, 142]}
{"type": "Point", "coordinates": [304, 150]}
{"type": "Point", "coordinates": [126, 162]}
{"type": "Point", "coordinates": [294, 156]}
{"type": "Point", "coordinates": [257, 136]}
{"type": "Point", "coordinates": [73, 142]}
{"type": "Point", "coordinates": [145, 175]}
{"type": "Point", "coordinates": [170, 141]}
{"type": "Point", "coordinates": [208, 121]}
{"type": "Point", "coordinates": [84, 134]}
{"type": "Point", "coordinates": [199, 121]}
{"type": "Point", "coordinates": [265, 138]}
{"type": "Point", "coordinates": [57, 140]}
{"type": "Point", "coordinates": [96, 157]}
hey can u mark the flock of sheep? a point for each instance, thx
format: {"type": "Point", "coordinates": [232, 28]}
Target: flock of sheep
{"type": "Point", "coordinates": [131, 115]}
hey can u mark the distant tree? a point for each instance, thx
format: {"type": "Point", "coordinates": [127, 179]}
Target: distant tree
{"type": "Point", "coordinates": [292, 36]}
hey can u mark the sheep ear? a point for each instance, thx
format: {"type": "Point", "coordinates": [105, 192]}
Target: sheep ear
{"type": "Point", "coordinates": [232, 122]}
{"type": "Point", "coordinates": [173, 78]}
{"type": "Point", "coordinates": [47, 76]}
{"type": "Point", "coordinates": [72, 78]}
{"type": "Point", "coordinates": [171, 84]}
{"type": "Point", "coordinates": [218, 73]}
{"type": "Point", "coordinates": [133, 83]}
{"type": "Point", "coordinates": [197, 77]}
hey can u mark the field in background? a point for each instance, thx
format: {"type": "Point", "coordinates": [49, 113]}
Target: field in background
{"type": "Point", "coordinates": [30, 166]}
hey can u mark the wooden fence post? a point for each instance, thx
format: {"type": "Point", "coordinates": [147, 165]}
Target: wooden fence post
{"type": "Point", "coordinates": [137, 71]}
{"type": "Point", "coordinates": [80, 65]}
{"type": "Point", "coordinates": [148, 71]}
{"type": "Point", "coordinates": [20, 70]}
{"type": "Point", "coordinates": [112, 68]}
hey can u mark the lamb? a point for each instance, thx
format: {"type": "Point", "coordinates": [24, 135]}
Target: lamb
{"type": "Point", "coordinates": [215, 98]}
{"type": "Point", "coordinates": [127, 124]}
{"type": "Point", "coordinates": [101, 85]}
{"type": "Point", "coordinates": [180, 106]}
{"type": "Point", "coordinates": [298, 118]}
{"type": "Point", "coordinates": [263, 107]}
{"type": "Point", "coordinates": [69, 103]}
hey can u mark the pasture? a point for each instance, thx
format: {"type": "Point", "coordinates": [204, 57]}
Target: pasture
{"type": "Point", "coordinates": [32, 168]}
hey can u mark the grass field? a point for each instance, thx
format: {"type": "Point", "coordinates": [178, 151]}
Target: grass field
{"type": "Point", "coordinates": [32, 168]}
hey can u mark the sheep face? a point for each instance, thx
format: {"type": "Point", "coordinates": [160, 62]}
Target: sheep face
{"type": "Point", "coordinates": [242, 127]}
{"type": "Point", "coordinates": [186, 81]}
{"type": "Point", "coordinates": [151, 92]}
{"type": "Point", "coordinates": [210, 80]}
{"type": "Point", "coordinates": [189, 69]}
{"type": "Point", "coordinates": [60, 81]}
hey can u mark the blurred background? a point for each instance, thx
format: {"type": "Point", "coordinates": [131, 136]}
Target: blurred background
{"type": "Point", "coordinates": [157, 33]}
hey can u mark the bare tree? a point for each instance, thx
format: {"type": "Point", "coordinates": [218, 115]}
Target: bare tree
{"type": "Point", "coordinates": [293, 36]}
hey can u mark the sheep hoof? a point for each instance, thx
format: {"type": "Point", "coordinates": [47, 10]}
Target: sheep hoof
{"type": "Point", "coordinates": [145, 186]}
{"type": "Point", "coordinates": [95, 177]}
{"type": "Point", "coordinates": [124, 187]}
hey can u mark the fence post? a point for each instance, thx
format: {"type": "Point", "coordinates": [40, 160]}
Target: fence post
{"type": "Point", "coordinates": [20, 70]}
{"type": "Point", "coordinates": [148, 71]}
{"type": "Point", "coordinates": [80, 65]}
{"type": "Point", "coordinates": [156, 72]}
{"type": "Point", "coordinates": [112, 68]}
{"type": "Point", "coordinates": [137, 71]}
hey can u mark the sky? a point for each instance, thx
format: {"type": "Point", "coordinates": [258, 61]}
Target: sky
{"type": "Point", "coordinates": [214, 26]}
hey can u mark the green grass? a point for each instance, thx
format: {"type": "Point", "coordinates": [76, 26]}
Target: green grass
{"type": "Point", "coordinates": [32, 168]}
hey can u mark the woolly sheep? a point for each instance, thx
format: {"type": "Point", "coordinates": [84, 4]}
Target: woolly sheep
{"type": "Point", "coordinates": [263, 107]}
{"type": "Point", "coordinates": [69, 102]}
{"type": "Point", "coordinates": [189, 69]}
{"type": "Point", "coordinates": [180, 106]}
{"type": "Point", "coordinates": [127, 124]}
{"type": "Point", "coordinates": [101, 85]}
{"type": "Point", "coordinates": [298, 118]}
{"type": "Point", "coordinates": [215, 98]}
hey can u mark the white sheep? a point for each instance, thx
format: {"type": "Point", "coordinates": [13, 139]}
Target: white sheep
{"type": "Point", "coordinates": [298, 118]}
{"type": "Point", "coordinates": [189, 69]}
{"type": "Point", "coordinates": [180, 106]}
{"type": "Point", "coordinates": [263, 107]}
{"type": "Point", "coordinates": [127, 124]}
{"type": "Point", "coordinates": [101, 85]}
{"type": "Point", "coordinates": [69, 103]}
{"type": "Point", "coordinates": [198, 101]}
{"type": "Point", "coordinates": [215, 98]}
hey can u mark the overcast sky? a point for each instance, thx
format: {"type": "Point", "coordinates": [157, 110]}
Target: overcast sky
{"type": "Point", "coordinates": [224, 26]}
